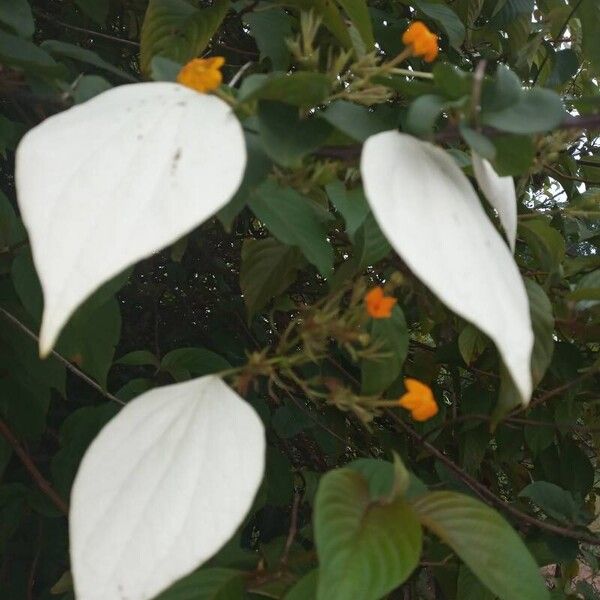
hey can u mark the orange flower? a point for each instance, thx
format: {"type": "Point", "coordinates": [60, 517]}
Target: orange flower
{"type": "Point", "coordinates": [421, 41]}
{"type": "Point", "coordinates": [202, 74]}
{"type": "Point", "coordinates": [379, 306]}
{"type": "Point", "coordinates": [419, 400]}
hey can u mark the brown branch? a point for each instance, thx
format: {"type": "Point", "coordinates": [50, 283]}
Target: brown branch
{"type": "Point", "coordinates": [293, 529]}
{"type": "Point", "coordinates": [80, 374]}
{"type": "Point", "coordinates": [51, 19]}
{"type": "Point", "coordinates": [486, 494]}
{"type": "Point", "coordinates": [452, 133]}
{"type": "Point", "coordinates": [29, 465]}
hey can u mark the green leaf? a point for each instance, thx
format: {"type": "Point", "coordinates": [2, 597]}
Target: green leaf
{"type": "Point", "coordinates": [178, 30]}
{"type": "Point", "coordinates": [446, 18]}
{"type": "Point", "coordinates": [370, 245]}
{"type": "Point", "coordinates": [92, 333]}
{"type": "Point", "coordinates": [352, 205]}
{"type": "Point", "coordinates": [478, 142]}
{"type": "Point", "coordinates": [356, 121]}
{"type": "Point", "coordinates": [423, 114]}
{"type": "Point", "coordinates": [539, 438]}
{"type": "Point", "coordinates": [306, 588]}
{"type": "Point", "coordinates": [486, 543]}
{"type": "Point", "coordinates": [268, 268]}
{"type": "Point", "coordinates": [66, 50]}
{"type": "Point", "coordinates": [258, 167]}
{"type": "Point", "coordinates": [97, 10]}
{"type": "Point", "coordinates": [542, 320]}
{"type": "Point", "coordinates": [546, 243]}
{"type": "Point", "coordinates": [471, 343]}
{"type": "Point", "coordinates": [299, 89]}
{"type": "Point", "coordinates": [164, 69]}
{"type": "Point", "coordinates": [207, 584]}
{"type": "Point", "coordinates": [358, 13]}
{"type": "Point", "coordinates": [501, 92]}
{"type": "Point", "coordinates": [138, 358]}
{"type": "Point", "coordinates": [454, 83]}
{"type": "Point", "coordinates": [91, 336]}
{"type": "Point", "coordinates": [296, 221]}
{"type": "Point", "coordinates": [565, 65]}
{"type": "Point", "coordinates": [576, 470]}
{"type": "Point", "coordinates": [365, 548]}
{"type": "Point", "coordinates": [391, 337]}
{"type": "Point", "coordinates": [270, 28]}
{"type": "Point", "coordinates": [387, 480]}
{"type": "Point", "coordinates": [511, 10]}
{"type": "Point", "coordinates": [11, 229]}
{"type": "Point", "coordinates": [514, 154]}
{"type": "Point", "coordinates": [285, 136]}
{"type": "Point", "coordinates": [16, 14]}
{"type": "Point", "coordinates": [89, 86]}
{"type": "Point", "coordinates": [76, 434]}
{"type": "Point", "coordinates": [552, 499]}
{"type": "Point", "coordinates": [468, 587]}
{"type": "Point", "coordinates": [589, 16]}
{"type": "Point", "coordinates": [538, 110]}
{"type": "Point", "coordinates": [183, 363]}
{"type": "Point", "coordinates": [16, 51]}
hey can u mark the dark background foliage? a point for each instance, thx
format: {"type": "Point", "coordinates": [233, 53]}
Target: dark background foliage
{"type": "Point", "coordinates": [181, 313]}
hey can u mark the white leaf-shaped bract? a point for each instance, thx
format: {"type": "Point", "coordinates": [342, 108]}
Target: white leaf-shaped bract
{"type": "Point", "coordinates": [500, 193]}
{"type": "Point", "coordinates": [111, 181]}
{"type": "Point", "coordinates": [164, 485]}
{"type": "Point", "coordinates": [431, 215]}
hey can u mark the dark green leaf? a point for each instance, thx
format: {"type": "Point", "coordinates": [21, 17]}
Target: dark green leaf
{"type": "Point", "coordinates": [542, 320]}
{"type": "Point", "coordinates": [271, 28]}
{"type": "Point", "coordinates": [356, 121]}
{"type": "Point", "coordinates": [207, 584]}
{"type": "Point", "coordinates": [538, 110]}
{"type": "Point", "coordinates": [423, 114]}
{"type": "Point", "coordinates": [486, 543]}
{"type": "Point", "coordinates": [446, 18]}
{"type": "Point", "coordinates": [16, 14]}
{"type": "Point", "coordinates": [299, 89]}
{"type": "Point", "coordinates": [296, 221]}
{"type": "Point", "coordinates": [178, 30]}
{"type": "Point", "coordinates": [365, 548]}
{"type": "Point", "coordinates": [306, 588]}
{"type": "Point", "coordinates": [552, 499]}
{"type": "Point", "coordinates": [268, 269]}
{"type": "Point", "coordinates": [352, 205]}
{"type": "Point", "coordinates": [66, 50]}
{"type": "Point", "coordinates": [285, 136]}
{"type": "Point", "coordinates": [391, 338]}
{"type": "Point", "coordinates": [358, 13]}
{"type": "Point", "coordinates": [185, 362]}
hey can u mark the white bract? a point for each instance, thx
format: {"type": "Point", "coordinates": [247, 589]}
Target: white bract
{"type": "Point", "coordinates": [432, 217]}
{"type": "Point", "coordinates": [162, 488]}
{"type": "Point", "coordinates": [107, 183]}
{"type": "Point", "coordinates": [500, 193]}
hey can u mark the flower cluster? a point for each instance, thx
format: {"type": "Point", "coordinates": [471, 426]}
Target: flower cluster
{"type": "Point", "coordinates": [421, 41]}
{"type": "Point", "coordinates": [419, 400]}
{"type": "Point", "coordinates": [202, 74]}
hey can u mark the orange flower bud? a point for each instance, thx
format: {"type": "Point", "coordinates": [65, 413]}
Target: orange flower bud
{"type": "Point", "coordinates": [419, 400]}
{"type": "Point", "coordinates": [202, 74]}
{"type": "Point", "coordinates": [421, 41]}
{"type": "Point", "coordinates": [379, 306]}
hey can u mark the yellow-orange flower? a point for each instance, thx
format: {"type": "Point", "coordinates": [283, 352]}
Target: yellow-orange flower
{"type": "Point", "coordinates": [379, 306]}
{"type": "Point", "coordinates": [419, 400]}
{"type": "Point", "coordinates": [202, 74]}
{"type": "Point", "coordinates": [421, 41]}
